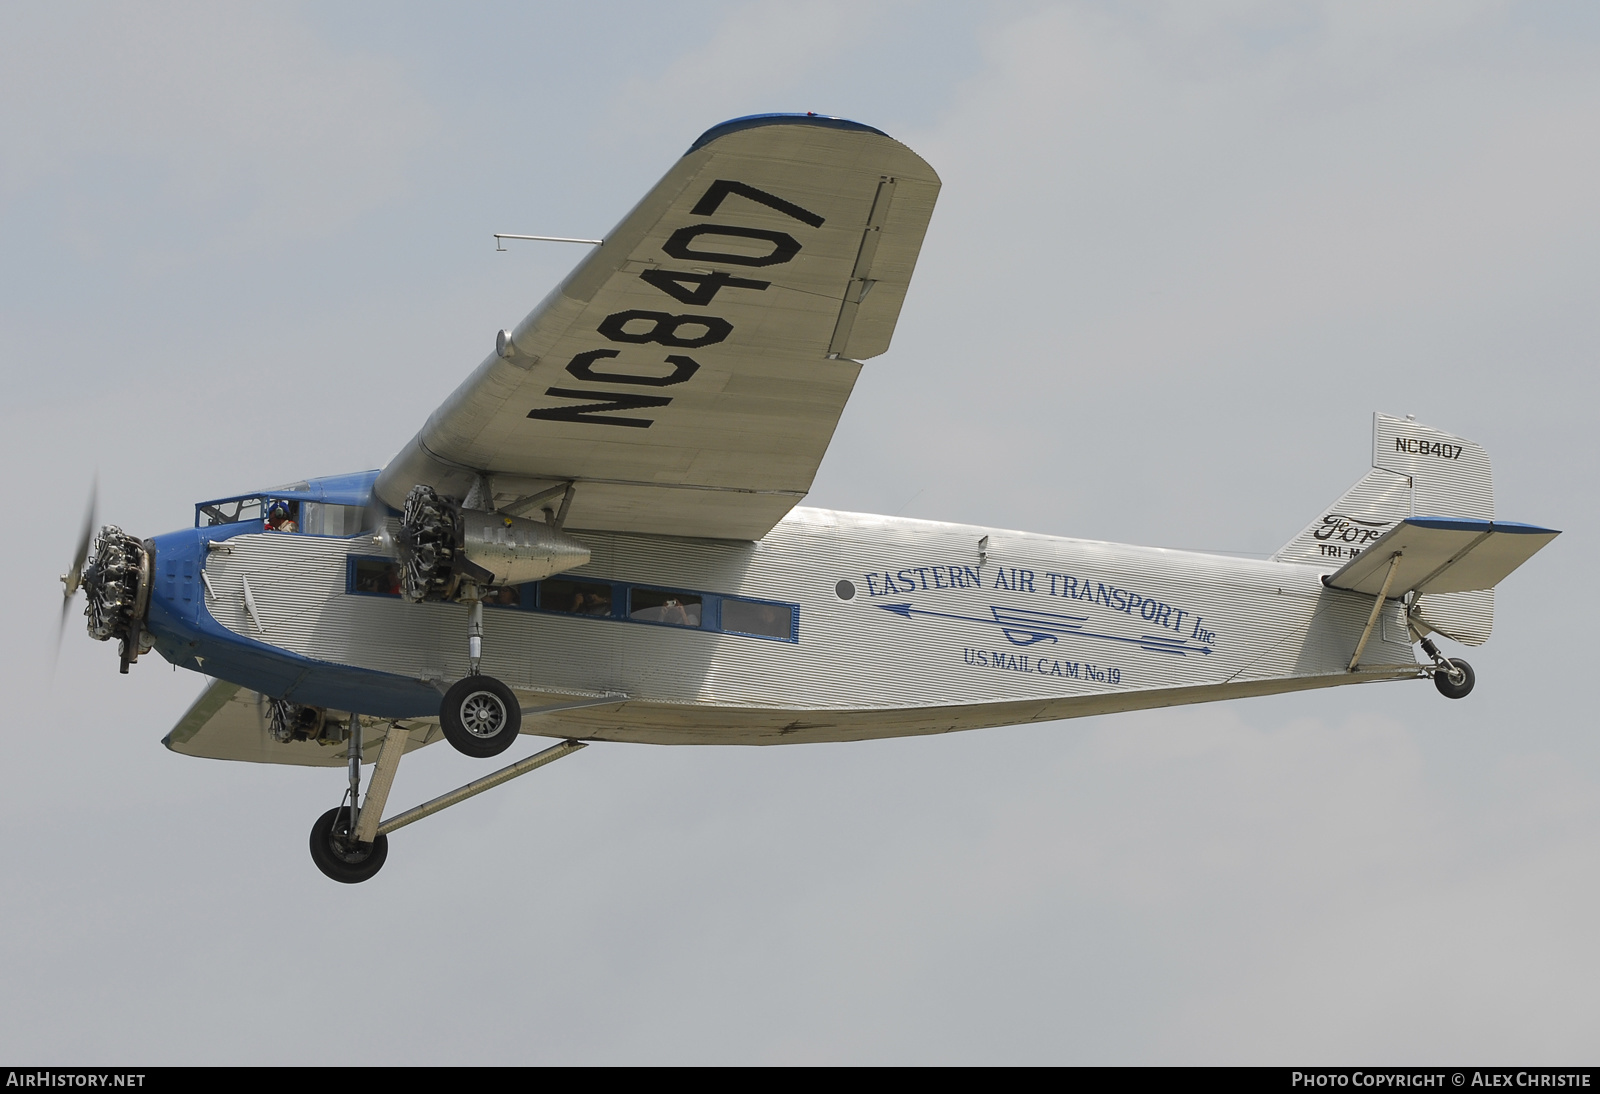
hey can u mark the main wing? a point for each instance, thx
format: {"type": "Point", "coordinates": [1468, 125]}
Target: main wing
{"type": "Point", "coordinates": [228, 722]}
{"type": "Point", "coordinates": [687, 377]}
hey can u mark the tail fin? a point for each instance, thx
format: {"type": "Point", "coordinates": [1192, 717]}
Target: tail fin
{"type": "Point", "coordinates": [1416, 471]}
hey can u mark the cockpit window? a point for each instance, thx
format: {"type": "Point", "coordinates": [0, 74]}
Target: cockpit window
{"type": "Point", "coordinates": [232, 511]}
{"type": "Point", "coordinates": [321, 519]}
{"type": "Point", "coordinates": [283, 515]}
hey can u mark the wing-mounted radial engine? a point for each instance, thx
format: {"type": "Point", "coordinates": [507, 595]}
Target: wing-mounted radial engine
{"type": "Point", "coordinates": [288, 722]}
{"type": "Point", "coordinates": [116, 583]}
{"type": "Point", "coordinates": [449, 552]}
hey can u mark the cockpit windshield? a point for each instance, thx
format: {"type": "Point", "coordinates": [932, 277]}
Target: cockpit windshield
{"type": "Point", "coordinates": [209, 514]}
{"type": "Point", "coordinates": [281, 514]}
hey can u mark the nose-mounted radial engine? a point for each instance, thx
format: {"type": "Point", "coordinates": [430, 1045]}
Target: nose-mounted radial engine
{"type": "Point", "coordinates": [449, 552]}
{"type": "Point", "coordinates": [116, 583]}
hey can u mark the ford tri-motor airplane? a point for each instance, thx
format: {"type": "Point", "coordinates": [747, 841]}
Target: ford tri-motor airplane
{"type": "Point", "coordinates": [597, 538]}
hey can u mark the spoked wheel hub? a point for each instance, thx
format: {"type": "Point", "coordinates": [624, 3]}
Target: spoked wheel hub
{"type": "Point", "coordinates": [480, 716]}
{"type": "Point", "coordinates": [483, 714]}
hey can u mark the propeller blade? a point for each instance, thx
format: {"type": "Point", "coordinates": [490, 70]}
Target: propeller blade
{"type": "Point", "coordinates": [73, 578]}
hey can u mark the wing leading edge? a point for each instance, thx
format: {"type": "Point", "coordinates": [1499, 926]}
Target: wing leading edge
{"type": "Point", "coordinates": [688, 375]}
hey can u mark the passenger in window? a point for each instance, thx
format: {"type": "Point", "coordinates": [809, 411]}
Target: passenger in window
{"type": "Point", "coordinates": [775, 620]}
{"type": "Point", "coordinates": [279, 518]}
{"type": "Point", "coordinates": [672, 612]}
{"type": "Point", "coordinates": [594, 603]}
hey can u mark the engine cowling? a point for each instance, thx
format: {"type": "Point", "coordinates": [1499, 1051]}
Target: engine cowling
{"type": "Point", "coordinates": [442, 546]}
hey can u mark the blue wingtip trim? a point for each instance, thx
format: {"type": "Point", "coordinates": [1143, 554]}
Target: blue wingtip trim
{"type": "Point", "coordinates": [1524, 529]}
{"type": "Point", "coordinates": [755, 121]}
{"type": "Point", "coordinates": [1472, 524]}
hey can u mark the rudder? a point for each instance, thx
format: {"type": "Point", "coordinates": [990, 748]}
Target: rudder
{"type": "Point", "coordinates": [1416, 471]}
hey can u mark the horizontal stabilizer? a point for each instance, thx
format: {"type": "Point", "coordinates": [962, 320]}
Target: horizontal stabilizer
{"type": "Point", "coordinates": [1441, 555]}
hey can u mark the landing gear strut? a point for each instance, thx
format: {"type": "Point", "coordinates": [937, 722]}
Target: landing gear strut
{"type": "Point", "coordinates": [455, 550]}
{"type": "Point", "coordinates": [345, 842]}
{"type": "Point", "coordinates": [480, 716]}
{"type": "Point", "coordinates": [349, 844]}
{"type": "Point", "coordinates": [1451, 675]}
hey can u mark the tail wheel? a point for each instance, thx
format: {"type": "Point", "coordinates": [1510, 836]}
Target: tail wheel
{"type": "Point", "coordinates": [480, 716]}
{"type": "Point", "coordinates": [338, 855]}
{"type": "Point", "coordinates": [1454, 678]}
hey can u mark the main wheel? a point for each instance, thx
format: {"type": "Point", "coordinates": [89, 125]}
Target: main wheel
{"type": "Point", "coordinates": [1456, 680]}
{"type": "Point", "coordinates": [339, 856]}
{"type": "Point", "coordinates": [480, 716]}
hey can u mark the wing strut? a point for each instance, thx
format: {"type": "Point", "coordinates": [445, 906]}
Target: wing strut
{"type": "Point", "coordinates": [473, 789]}
{"type": "Point", "coordinates": [526, 504]}
{"type": "Point", "coordinates": [1377, 610]}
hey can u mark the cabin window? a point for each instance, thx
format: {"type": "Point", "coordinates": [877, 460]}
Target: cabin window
{"type": "Point", "coordinates": [758, 618]}
{"type": "Point", "coordinates": [374, 576]}
{"type": "Point", "coordinates": [502, 596]}
{"type": "Point", "coordinates": [371, 575]}
{"type": "Point", "coordinates": [668, 607]}
{"type": "Point", "coordinates": [321, 519]}
{"type": "Point", "coordinates": [576, 597]}
{"type": "Point", "coordinates": [662, 606]}
{"type": "Point", "coordinates": [232, 511]}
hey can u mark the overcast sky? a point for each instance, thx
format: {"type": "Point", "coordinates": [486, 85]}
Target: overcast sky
{"type": "Point", "coordinates": [1182, 252]}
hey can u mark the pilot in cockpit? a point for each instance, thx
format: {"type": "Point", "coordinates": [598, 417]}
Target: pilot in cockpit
{"type": "Point", "coordinates": [279, 519]}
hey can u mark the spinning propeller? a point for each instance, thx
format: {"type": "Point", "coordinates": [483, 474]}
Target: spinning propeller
{"type": "Point", "coordinates": [73, 578]}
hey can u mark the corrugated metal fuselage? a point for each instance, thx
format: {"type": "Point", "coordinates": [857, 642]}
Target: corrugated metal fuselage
{"type": "Point", "coordinates": [904, 627]}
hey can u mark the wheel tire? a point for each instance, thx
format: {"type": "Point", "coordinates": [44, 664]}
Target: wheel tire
{"type": "Point", "coordinates": [1455, 685]}
{"type": "Point", "coordinates": [480, 716]}
{"type": "Point", "coordinates": [339, 858]}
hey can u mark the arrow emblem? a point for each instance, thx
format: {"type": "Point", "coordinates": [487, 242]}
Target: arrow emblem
{"type": "Point", "coordinates": [1026, 627]}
